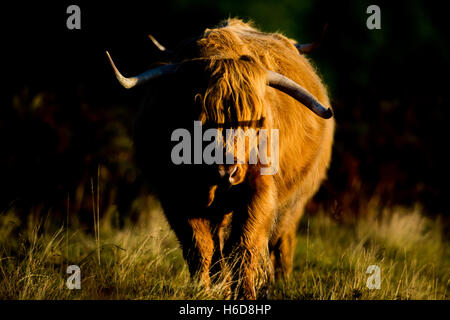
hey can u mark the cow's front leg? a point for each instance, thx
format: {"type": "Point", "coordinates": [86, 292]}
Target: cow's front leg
{"type": "Point", "coordinates": [201, 250]}
{"type": "Point", "coordinates": [198, 247]}
{"type": "Point", "coordinates": [247, 248]}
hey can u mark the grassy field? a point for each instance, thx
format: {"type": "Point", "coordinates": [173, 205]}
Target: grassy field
{"type": "Point", "coordinates": [143, 260]}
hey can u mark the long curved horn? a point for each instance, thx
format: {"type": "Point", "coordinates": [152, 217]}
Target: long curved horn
{"type": "Point", "coordinates": [143, 77]}
{"type": "Point", "coordinates": [286, 85]}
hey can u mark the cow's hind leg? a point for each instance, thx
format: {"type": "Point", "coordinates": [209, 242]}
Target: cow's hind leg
{"type": "Point", "coordinates": [284, 241]}
{"type": "Point", "coordinates": [282, 253]}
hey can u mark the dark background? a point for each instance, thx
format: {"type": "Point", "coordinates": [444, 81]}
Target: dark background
{"type": "Point", "coordinates": [63, 115]}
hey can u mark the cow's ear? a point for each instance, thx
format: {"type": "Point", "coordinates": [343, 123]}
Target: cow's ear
{"type": "Point", "coordinates": [236, 174]}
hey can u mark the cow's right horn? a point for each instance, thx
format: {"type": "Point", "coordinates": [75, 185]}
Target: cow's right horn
{"type": "Point", "coordinates": [143, 77]}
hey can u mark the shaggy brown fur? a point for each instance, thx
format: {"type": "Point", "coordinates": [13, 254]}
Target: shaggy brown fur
{"type": "Point", "coordinates": [247, 226]}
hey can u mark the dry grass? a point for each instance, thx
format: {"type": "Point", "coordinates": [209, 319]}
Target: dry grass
{"type": "Point", "coordinates": [143, 260]}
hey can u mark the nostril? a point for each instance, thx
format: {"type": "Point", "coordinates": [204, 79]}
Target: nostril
{"type": "Point", "coordinates": [229, 174]}
{"type": "Point", "coordinates": [232, 171]}
{"type": "Point", "coordinates": [233, 175]}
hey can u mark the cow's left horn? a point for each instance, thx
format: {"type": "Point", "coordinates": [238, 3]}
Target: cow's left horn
{"type": "Point", "coordinates": [307, 48]}
{"type": "Point", "coordinates": [282, 83]}
{"type": "Point", "coordinates": [143, 77]}
{"type": "Point", "coordinates": [310, 47]}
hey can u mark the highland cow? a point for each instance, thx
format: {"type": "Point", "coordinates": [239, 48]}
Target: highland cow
{"type": "Point", "coordinates": [229, 218]}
